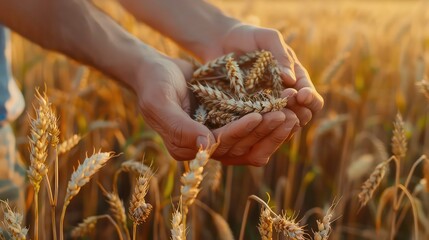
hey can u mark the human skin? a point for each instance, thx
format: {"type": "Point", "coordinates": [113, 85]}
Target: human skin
{"type": "Point", "coordinates": [81, 31]}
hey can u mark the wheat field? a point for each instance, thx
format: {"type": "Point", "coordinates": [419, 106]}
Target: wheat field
{"type": "Point", "coordinates": [358, 170]}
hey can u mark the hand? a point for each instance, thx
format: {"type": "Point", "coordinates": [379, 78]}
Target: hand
{"type": "Point", "coordinates": [165, 102]}
{"type": "Point", "coordinates": [245, 38]}
{"type": "Point", "coordinates": [258, 142]}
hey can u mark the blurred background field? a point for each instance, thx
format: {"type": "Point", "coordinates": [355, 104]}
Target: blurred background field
{"type": "Point", "coordinates": [364, 57]}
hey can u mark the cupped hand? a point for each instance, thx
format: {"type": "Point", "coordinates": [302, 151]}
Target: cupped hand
{"type": "Point", "coordinates": [165, 102]}
{"type": "Point", "coordinates": [254, 143]}
{"type": "Point", "coordinates": [242, 38]}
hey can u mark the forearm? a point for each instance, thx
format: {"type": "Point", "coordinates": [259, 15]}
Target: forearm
{"type": "Point", "coordinates": [80, 31]}
{"type": "Point", "coordinates": [194, 24]}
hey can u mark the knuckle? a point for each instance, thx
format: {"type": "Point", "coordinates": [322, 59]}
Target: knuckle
{"type": "Point", "coordinates": [259, 134]}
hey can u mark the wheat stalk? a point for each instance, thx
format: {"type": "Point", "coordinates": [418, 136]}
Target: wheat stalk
{"type": "Point", "coordinates": [139, 209]}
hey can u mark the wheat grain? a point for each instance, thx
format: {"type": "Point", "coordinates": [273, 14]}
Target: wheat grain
{"type": "Point", "coordinates": [265, 226]}
{"type": "Point", "coordinates": [371, 184]}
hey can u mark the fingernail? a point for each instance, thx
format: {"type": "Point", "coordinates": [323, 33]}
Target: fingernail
{"type": "Point", "coordinates": [202, 142]}
{"type": "Point", "coordinates": [289, 72]}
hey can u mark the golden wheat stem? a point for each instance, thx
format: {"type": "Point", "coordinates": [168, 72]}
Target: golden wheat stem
{"type": "Point", "coordinates": [36, 215]}
{"type": "Point", "coordinates": [413, 207]}
{"type": "Point", "coordinates": [395, 196]}
{"type": "Point", "coordinates": [410, 174]}
{"type": "Point", "coordinates": [118, 230]}
{"type": "Point", "coordinates": [134, 230]}
{"type": "Point", "coordinates": [53, 206]}
{"type": "Point", "coordinates": [115, 180]}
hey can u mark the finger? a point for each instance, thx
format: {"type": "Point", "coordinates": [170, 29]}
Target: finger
{"type": "Point", "coordinates": [263, 150]}
{"type": "Point", "coordinates": [269, 122]}
{"type": "Point", "coordinates": [272, 40]}
{"type": "Point", "coordinates": [235, 131]}
{"type": "Point", "coordinates": [304, 114]}
{"type": "Point", "coordinates": [176, 127]}
{"type": "Point", "coordinates": [310, 98]}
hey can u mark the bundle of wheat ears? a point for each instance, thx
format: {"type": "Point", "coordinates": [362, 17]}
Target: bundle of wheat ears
{"type": "Point", "coordinates": [228, 88]}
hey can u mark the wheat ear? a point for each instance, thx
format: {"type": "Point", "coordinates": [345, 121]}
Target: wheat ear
{"type": "Point", "coordinates": [371, 184]}
{"type": "Point", "coordinates": [116, 207]}
{"type": "Point", "coordinates": [211, 66]}
{"type": "Point", "coordinates": [288, 226]}
{"type": "Point", "coordinates": [258, 69]}
{"type": "Point", "coordinates": [235, 77]}
{"type": "Point", "coordinates": [68, 144]}
{"type": "Point", "coordinates": [399, 140]}
{"type": "Point", "coordinates": [12, 222]}
{"type": "Point", "coordinates": [191, 180]}
{"type": "Point", "coordinates": [265, 226]}
{"type": "Point", "coordinates": [178, 229]}
{"type": "Point", "coordinates": [84, 228]}
{"type": "Point", "coordinates": [80, 177]}
{"type": "Point", "coordinates": [423, 86]}
{"type": "Point", "coordinates": [88, 225]}
{"type": "Point", "coordinates": [213, 175]}
{"type": "Point", "coordinates": [139, 209]}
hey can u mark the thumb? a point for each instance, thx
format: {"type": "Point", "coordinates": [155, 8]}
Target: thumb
{"type": "Point", "coordinates": [272, 40]}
